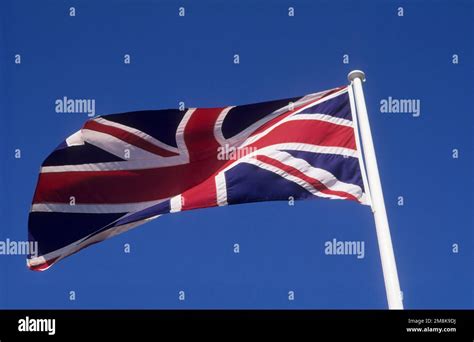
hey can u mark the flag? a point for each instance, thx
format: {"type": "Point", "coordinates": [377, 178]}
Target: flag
{"type": "Point", "coordinates": [122, 170]}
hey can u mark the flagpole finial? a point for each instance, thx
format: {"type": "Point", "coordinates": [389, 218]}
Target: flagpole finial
{"type": "Point", "coordinates": [356, 74]}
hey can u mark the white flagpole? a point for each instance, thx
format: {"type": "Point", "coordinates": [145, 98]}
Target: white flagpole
{"type": "Point", "coordinates": [389, 267]}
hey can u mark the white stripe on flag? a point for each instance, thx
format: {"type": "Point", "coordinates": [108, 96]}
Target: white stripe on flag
{"type": "Point", "coordinates": [256, 137]}
{"type": "Point", "coordinates": [75, 139]}
{"type": "Point", "coordinates": [116, 146]}
{"type": "Point", "coordinates": [176, 203]}
{"type": "Point", "coordinates": [221, 189]}
{"type": "Point", "coordinates": [322, 175]}
{"type": "Point", "coordinates": [292, 178]}
{"type": "Point", "coordinates": [320, 117]}
{"type": "Point", "coordinates": [93, 208]}
{"type": "Point", "coordinates": [342, 151]}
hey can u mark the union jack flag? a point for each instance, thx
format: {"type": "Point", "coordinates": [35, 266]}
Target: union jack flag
{"type": "Point", "coordinates": [122, 170]}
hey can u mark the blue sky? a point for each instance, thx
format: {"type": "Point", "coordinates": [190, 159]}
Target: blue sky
{"type": "Point", "coordinates": [190, 59]}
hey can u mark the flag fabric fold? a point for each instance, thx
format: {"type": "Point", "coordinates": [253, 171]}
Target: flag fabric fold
{"type": "Point", "coordinates": [122, 170]}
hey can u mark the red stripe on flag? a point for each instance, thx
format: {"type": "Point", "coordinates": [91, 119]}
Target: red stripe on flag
{"type": "Point", "coordinates": [199, 133]}
{"type": "Point", "coordinates": [288, 113]}
{"type": "Point", "coordinates": [201, 196]}
{"type": "Point", "coordinates": [129, 138]}
{"type": "Point", "coordinates": [309, 132]}
{"type": "Point", "coordinates": [44, 266]}
{"type": "Point", "coordinates": [122, 186]}
{"type": "Point", "coordinates": [297, 173]}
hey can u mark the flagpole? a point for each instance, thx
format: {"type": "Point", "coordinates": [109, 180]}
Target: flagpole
{"type": "Point", "coordinates": [389, 267]}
